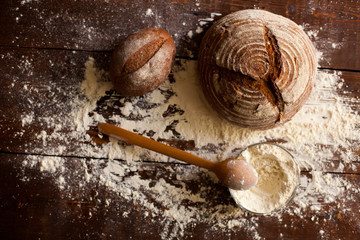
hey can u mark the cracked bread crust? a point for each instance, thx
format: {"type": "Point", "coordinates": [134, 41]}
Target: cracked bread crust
{"type": "Point", "coordinates": [256, 68]}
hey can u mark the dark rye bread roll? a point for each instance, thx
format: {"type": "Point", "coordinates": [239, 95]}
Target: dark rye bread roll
{"type": "Point", "coordinates": [257, 68]}
{"type": "Point", "coordinates": [142, 61]}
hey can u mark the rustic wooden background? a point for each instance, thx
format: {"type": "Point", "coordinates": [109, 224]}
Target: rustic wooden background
{"type": "Point", "coordinates": [57, 37]}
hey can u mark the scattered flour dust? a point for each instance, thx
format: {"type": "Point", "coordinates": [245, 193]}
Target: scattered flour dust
{"type": "Point", "coordinates": [324, 126]}
{"type": "Point", "coordinates": [149, 12]}
{"type": "Point", "coordinates": [28, 1]}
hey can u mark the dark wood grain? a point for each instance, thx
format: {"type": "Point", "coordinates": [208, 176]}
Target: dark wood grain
{"type": "Point", "coordinates": [45, 211]}
{"type": "Point", "coordinates": [100, 25]}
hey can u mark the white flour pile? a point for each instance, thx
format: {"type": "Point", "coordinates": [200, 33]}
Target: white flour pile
{"type": "Point", "coordinates": [325, 129]}
{"type": "Point", "coordinates": [278, 178]}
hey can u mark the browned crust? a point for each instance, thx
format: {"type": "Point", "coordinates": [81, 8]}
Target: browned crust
{"type": "Point", "coordinates": [124, 69]}
{"type": "Point", "coordinates": [233, 93]}
{"type": "Point", "coordinates": [142, 55]}
{"type": "Point", "coordinates": [273, 92]}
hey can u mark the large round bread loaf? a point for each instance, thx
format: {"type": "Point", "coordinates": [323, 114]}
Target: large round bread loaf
{"type": "Point", "coordinates": [257, 68]}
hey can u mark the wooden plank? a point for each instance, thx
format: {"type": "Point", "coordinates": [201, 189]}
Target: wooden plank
{"type": "Point", "coordinates": [333, 25]}
{"type": "Point", "coordinates": [42, 84]}
{"type": "Point", "coordinates": [33, 206]}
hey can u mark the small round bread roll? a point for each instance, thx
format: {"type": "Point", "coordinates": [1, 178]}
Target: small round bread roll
{"type": "Point", "coordinates": [142, 62]}
{"type": "Point", "coordinates": [257, 68]}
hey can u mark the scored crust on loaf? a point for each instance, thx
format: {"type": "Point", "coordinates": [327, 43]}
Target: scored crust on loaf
{"type": "Point", "coordinates": [142, 61]}
{"type": "Point", "coordinates": [257, 68]}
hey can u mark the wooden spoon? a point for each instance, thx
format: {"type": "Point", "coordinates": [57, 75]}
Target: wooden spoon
{"type": "Point", "coordinates": [233, 173]}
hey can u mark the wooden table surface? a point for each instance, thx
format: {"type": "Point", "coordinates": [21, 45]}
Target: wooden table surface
{"type": "Point", "coordinates": [44, 45]}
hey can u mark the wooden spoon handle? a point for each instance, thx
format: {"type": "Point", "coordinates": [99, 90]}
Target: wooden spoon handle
{"type": "Point", "coordinates": [133, 138]}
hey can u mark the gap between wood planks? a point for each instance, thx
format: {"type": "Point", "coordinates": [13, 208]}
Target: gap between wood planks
{"type": "Point", "coordinates": [103, 51]}
{"type": "Point", "coordinates": [147, 161]}
{"type": "Point", "coordinates": [338, 69]}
